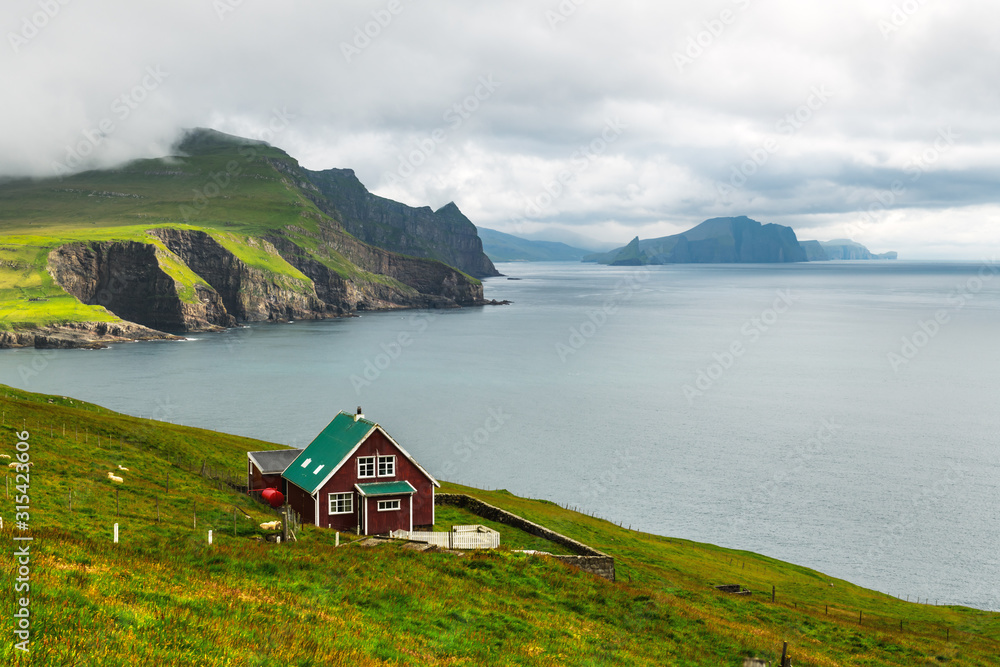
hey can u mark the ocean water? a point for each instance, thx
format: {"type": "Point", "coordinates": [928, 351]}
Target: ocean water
{"type": "Point", "coordinates": [839, 415]}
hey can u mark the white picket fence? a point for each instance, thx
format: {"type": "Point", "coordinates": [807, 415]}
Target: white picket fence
{"type": "Point", "coordinates": [460, 537]}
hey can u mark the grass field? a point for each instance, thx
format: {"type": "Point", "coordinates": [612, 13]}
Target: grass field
{"type": "Point", "coordinates": [163, 596]}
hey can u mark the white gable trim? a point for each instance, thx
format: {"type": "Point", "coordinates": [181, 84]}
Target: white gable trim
{"type": "Point", "coordinates": [354, 450]}
{"type": "Point", "coordinates": [407, 455]}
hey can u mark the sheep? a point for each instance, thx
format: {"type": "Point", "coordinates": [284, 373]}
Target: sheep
{"type": "Point", "coordinates": [271, 525]}
{"type": "Point", "coordinates": [114, 478]}
{"type": "Point", "coordinates": [121, 467]}
{"type": "Point", "coordinates": [15, 464]}
{"type": "Point", "coordinates": [4, 456]}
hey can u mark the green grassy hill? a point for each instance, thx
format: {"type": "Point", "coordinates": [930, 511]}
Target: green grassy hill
{"type": "Point", "coordinates": [244, 208]}
{"type": "Point", "coordinates": [163, 596]}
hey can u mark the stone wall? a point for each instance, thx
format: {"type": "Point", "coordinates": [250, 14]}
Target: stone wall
{"type": "Point", "coordinates": [588, 559]}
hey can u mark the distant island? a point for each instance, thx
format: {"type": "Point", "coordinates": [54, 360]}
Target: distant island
{"type": "Point", "coordinates": [732, 240]}
{"type": "Point", "coordinates": [818, 251]}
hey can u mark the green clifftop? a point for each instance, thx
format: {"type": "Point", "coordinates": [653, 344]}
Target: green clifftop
{"type": "Point", "coordinates": [227, 230]}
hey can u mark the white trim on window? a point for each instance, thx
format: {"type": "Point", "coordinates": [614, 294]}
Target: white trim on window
{"type": "Point", "coordinates": [388, 505]}
{"type": "Point", "coordinates": [366, 467]}
{"type": "Point", "coordinates": [387, 466]}
{"type": "Point", "coordinates": [341, 503]}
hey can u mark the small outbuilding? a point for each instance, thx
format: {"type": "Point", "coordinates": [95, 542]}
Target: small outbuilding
{"type": "Point", "coordinates": [264, 469]}
{"type": "Point", "coordinates": [354, 477]}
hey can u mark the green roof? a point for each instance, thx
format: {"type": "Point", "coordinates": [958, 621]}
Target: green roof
{"type": "Point", "coordinates": [327, 451]}
{"type": "Point", "coordinates": [386, 488]}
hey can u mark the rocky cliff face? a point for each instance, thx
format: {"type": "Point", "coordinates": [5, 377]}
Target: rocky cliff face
{"type": "Point", "coordinates": [415, 282]}
{"type": "Point", "coordinates": [248, 294]}
{"type": "Point", "coordinates": [126, 278]}
{"type": "Point", "coordinates": [129, 279]}
{"type": "Point", "coordinates": [445, 235]}
{"type": "Point", "coordinates": [88, 335]}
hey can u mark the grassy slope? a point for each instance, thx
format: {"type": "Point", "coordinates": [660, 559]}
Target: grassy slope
{"type": "Point", "coordinates": [163, 596]}
{"type": "Point", "coordinates": [233, 193]}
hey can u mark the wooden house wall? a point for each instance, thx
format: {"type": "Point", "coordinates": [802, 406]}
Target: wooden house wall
{"type": "Point", "coordinates": [380, 523]}
{"type": "Point", "coordinates": [258, 481]}
{"type": "Point", "coordinates": [345, 479]}
{"type": "Point", "coordinates": [301, 502]}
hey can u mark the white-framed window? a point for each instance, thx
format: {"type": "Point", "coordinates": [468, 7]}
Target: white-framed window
{"type": "Point", "coordinates": [387, 466]}
{"type": "Point", "coordinates": [341, 503]}
{"type": "Point", "coordinates": [388, 505]}
{"type": "Point", "coordinates": [366, 466]}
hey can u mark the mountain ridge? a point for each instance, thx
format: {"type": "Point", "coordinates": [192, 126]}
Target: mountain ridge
{"type": "Point", "coordinates": [446, 234]}
{"type": "Point", "coordinates": [503, 247]}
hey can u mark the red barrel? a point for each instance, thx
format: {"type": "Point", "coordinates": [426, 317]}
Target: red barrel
{"type": "Point", "coordinates": [273, 497]}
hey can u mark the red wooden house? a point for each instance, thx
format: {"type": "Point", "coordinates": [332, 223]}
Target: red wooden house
{"type": "Point", "coordinates": [355, 477]}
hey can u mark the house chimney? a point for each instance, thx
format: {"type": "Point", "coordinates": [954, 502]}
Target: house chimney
{"type": "Point", "coordinates": [359, 415]}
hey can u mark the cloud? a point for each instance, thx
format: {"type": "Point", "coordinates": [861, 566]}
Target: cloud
{"type": "Point", "coordinates": [701, 89]}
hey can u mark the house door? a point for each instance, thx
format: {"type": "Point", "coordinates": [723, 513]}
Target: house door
{"type": "Point", "coordinates": [361, 513]}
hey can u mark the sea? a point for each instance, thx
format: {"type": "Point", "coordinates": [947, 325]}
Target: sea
{"type": "Point", "coordinates": [839, 415]}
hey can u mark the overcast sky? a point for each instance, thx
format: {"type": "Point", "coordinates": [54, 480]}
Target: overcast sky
{"type": "Point", "coordinates": [870, 119]}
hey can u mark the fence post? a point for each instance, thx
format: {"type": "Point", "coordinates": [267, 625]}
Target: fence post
{"type": "Point", "coordinates": [772, 592]}
{"type": "Point", "coordinates": [116, 533]}
{"type": "Point", "coordinates": [784, 654]}
{"type": "Point", "coordinates": [209, 538]}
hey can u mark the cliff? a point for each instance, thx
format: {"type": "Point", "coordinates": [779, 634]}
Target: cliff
{"type": "Point", "coordinates": [445, 235]}
{"type": "Point", "coordinates": [105, 256]}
